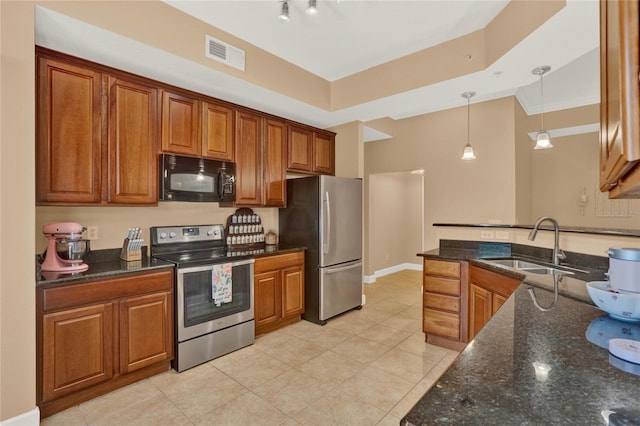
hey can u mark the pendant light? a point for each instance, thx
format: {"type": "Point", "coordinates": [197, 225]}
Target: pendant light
{"type": "Point", "coordinates": [312, 9]}
{"type": "Point", "coordinates": [543, 141]}
{"type": "Point", "coordinates": [284, 13]}
{"type": "Point", "coordinates": [468, 154]}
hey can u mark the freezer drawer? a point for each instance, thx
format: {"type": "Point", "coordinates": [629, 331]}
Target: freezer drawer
{"type": "Point", "coordinates": [340, 289]}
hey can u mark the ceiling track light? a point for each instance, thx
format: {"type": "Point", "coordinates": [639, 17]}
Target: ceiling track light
{"type": "Point", "coordinates": [312, 9]}
{"type": "Point", "coordinates": [284, 12]}
{"type": "Point", "coordinates": [543, 140]}
{"type": "Point", "coordinates": [467, 153]}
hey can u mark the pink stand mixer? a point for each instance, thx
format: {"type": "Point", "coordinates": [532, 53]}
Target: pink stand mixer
{"type": "Point", "coordinates": [64, 231]}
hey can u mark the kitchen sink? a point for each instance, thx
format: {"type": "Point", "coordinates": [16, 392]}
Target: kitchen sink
{"type": "Point", "coordinates": [530, 267]}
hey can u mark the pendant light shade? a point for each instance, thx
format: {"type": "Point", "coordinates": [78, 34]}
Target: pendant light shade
{"type": "Point", "coordinates": [543, 141]}
{"type": "Point", "coordinates": [284, 12]}
{"type": "Point", "coordinates": [467, 153]}
{"type": "Point", "coordinates": [312, 9]}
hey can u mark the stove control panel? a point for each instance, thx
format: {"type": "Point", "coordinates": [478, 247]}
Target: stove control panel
{"type": "Point", "coordinates": [187, 233]}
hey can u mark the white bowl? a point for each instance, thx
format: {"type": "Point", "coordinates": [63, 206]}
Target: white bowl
{"type": "Point", "coordinates": [620, 305]}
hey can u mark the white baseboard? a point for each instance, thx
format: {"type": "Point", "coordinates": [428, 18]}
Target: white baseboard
{"type": "Point", "coordinates": [31, 418]}
{"type": "Point", "coordinates": [370, 279]}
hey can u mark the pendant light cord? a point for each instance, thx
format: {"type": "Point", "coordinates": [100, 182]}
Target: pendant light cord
{"type": "Point", "coordinates": [468, 119]}
{"type": "Point", "coordinates": [542, 98]}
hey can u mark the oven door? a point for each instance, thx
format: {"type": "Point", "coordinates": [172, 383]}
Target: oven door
{"type": "Point", "coordinates": [199, 312]}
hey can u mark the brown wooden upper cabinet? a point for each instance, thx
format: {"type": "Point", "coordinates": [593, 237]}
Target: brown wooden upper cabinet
{"type": "Point", "coordinates": [274, 152]}
{"type": "Point", "coordinates": [133, 136]}
{"type": "Point", "coordinates": [196, 127]}
{"type": "Point", "coordinates": [180, 124]}
{"type": "Point", "coordinates": [96, 136]}
{"type": "Point", "coordinates": [217, 132]}
{"type": "Point", "coordinates": [248, 159]}
{"type": "Point", "coordinates": [619, 99]}
{"type": "Point", "coordinates": [324, 153]}
{"type": "Point", "coordinates": [310, 150]}
{"type": "Point", "coordinates": [259, 153]}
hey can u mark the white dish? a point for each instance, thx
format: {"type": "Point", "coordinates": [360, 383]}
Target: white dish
{"type": "Point", "coordinates": [604, 328]}
{"type": "Point", "coordinates": [620, 305]}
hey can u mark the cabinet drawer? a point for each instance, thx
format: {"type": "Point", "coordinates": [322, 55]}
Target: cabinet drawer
{"type": "Point", "coordinates": [279, 261]}
{"type": "Point", "coordinates": [441, 324]}
{"type": "Point", "coordinates": [441, 285]}
{"type": "Point", "coordinates": [107, 289]}
{"type": "Point", "coordinates": [442, 268]}
{"type": "Point", "coordinates": [440, 301]}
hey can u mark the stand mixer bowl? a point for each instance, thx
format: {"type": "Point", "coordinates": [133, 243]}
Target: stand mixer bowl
{"type": "Point", "coordinates": [72, 251]}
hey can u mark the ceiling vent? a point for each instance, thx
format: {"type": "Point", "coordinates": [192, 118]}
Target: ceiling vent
{"type": "Point", "coordinates": [225, 53]}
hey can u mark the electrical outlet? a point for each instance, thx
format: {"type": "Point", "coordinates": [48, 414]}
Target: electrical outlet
{"type": "Point", "coordinates": [486, 235]}
{"type": "Point", "coordinates": [502, 235]}
{"type": "Point", "coordinates": [92, 232]}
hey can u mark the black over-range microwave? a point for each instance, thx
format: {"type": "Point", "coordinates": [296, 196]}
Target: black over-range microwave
{"type": "Point", "coordinates": [196, 179]}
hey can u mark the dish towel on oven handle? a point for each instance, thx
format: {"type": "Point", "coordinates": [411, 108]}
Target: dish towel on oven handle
{"type": "Point", "coordinates": [221, 284]}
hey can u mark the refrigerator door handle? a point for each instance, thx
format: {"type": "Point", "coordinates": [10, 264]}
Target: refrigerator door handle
{"type": "Point", "coordinates": [344, 268]}
{"type": "Point", "coordinates": [327, 241]}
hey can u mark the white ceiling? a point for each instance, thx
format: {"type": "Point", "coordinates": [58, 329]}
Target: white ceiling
{"type": "Point", "coordinates": [377, 31]}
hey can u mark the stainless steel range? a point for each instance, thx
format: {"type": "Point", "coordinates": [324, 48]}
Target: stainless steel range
{"type": "Point", "coordinates": [214, 293]}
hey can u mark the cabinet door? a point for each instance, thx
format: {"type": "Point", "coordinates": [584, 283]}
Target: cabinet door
{"type": "Point", "coordinates": [133, 135]}
{"type": "Point", "coordinates": [69, 135]}
{"type": "Point", "coordinates": [273, 162]}
{"type": "Point", "coordinates": [480, 309]}
{"type": "Point", "coordinates": [299, 149]}
{"type": "Point", "coordinates": [293, 291]}
{"type": "Point", "coordinates": [180, 124]}
{"type": "Point", "coordinates": [268, 307]}
{"type": "Point", "coordinates": [146, 331]}
{"type": "Point", "coordinates": [248, 159]}
{"type": "Point", "coordinates": [77, 349]}
{"type": "Point", "coordinates": [217, 132]}
{"type": "Point", "coordinates": [496, 303]}
{"type": "Point", "coordinates": [324, 154]}
{"type": "Point", "coordinates": [619, 93]}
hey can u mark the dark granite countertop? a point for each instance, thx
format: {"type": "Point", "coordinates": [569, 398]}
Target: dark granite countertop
{"type": "Point", "coordinates": [494, 381]}
{"type": "Point", "coordinates": [107, 263]}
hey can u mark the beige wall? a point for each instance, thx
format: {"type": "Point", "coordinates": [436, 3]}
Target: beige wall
{"type": "Point", "coordinates": [454, 190]}
{"type": "Point", "coordinates": [349, 150]}
{"type": "Point", "coordinates": [113, 222]}
{"type": "Point", "coordinates": [395, 220]}
{"type": "Point", "coordinates": [561, 174]}
{"type": "Point", "coordinates": [17, 210]}
{"type": "Point", "coordinates": [595, 245]}
{"type": "Point", "coordinates": [524, 152]}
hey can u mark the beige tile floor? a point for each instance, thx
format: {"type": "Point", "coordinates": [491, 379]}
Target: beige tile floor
{"type": "Point", "coordinates": [366, 367]}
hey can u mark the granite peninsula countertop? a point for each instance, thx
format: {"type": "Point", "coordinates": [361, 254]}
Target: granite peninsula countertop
{"type": "Point", "coordinates": [494, 380]}
{"type": "Point", "coordinates": [500, 377]}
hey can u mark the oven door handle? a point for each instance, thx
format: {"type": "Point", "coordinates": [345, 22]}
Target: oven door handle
{"type": "Point", "coordinates": [211, 265]}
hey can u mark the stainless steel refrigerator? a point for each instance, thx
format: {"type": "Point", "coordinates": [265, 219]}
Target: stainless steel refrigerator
{"type": "Point", "coordinates": [324, 214]}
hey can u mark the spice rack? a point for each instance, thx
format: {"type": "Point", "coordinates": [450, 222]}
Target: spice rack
{"type": "Point", "coordinates": [244, 230]}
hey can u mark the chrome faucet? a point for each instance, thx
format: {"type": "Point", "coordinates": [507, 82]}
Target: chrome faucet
{"type": "Point", "coordinates": [557, 253]}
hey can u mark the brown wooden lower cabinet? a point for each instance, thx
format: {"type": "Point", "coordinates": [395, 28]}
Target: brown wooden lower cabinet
{"type": "Point", "coordinates": [487, 293]}
{"type": "Point", "coordinates": [444, 316]}
{"type": "Point", "coordinates": [96, 336]}
{"type": "Point", "coordinates": [278, 291]}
